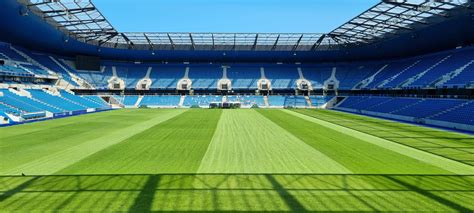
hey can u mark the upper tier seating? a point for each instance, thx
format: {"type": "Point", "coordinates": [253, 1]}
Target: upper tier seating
{"type": "Point", "coordinates": [14, 71]}
{"type": "Point", "coordinates": [99, 79]}
{"type": "Point", "coordinates": [46, 61]}
{"type": "Point", "coordinates": [415, 66]}
{"type": "Point", "coordinates": [282, 77]}
{"type": "Point", "coordinates": [7, 53]}
{"type": "Point", "coordinates": [350, 75]}
{"type": "Point", "coordinates": [244, 76]}
{"type": "Point", "coordinates": [205, 77]}
{"type": "Point", "coordinates": [134, 74]}
{"type": "Point", "coordinates": [35, 69]}
{"type": "Point", "coordinates": [389, 71]}
{"type": "Point", "coordinates": [166, 76]}
{"type": "Point", "coordinates": [452, 63]}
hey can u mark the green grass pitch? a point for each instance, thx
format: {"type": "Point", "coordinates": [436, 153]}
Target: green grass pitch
{"type": "Point", "coordinates": [142, 160]}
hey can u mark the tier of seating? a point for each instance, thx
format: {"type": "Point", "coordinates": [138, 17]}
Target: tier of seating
{"type": "Point", "coordinates": [35, 100]}
{"type": "Point", "coordinates": [201, 100]}
{"type": "Point", "coordinates": [295, 101]}
{"type": "Point", "coordinates": [276, 100]}
{"type": "Point", "coordinates": [52, 64]}
{"type": "Point", "coordinates": [446, 69]}
{"type": "Point", "coordinates": [129, 100]}
{"type": "Point", "coordinates": [14, 71]}
{"type": "Point", "coordinates": [319, 101]}
{"type": "Point", "coordinates": [205, 100]}
{"type": "Point", "coordinates": [247, 100]}
{"type": "Point", "coordinates": [449, 110]}
{"type": "Point", "coordinates": [159, 100]}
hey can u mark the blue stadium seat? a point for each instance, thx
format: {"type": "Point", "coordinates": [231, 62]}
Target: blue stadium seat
{"type": "Point", "coordinates": [159, 100]}
{"type": "Point", "coordinates": [205, 77]}
{"type": "Point", "coordinates": [244, 76]}
{"type": "Point", "coordinates": [166, 76]}
{"type": "Point", "coordinates": [56, 101]}
{"type": "Point", "coordinates": [130, 100]}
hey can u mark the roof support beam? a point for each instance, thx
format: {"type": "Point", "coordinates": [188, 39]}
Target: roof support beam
{"type": "Point", "coordinates": [295, 47]}
{"type": "Point", "coordinates": [254, 47]}
{"type": "Point", "coordinates": [152, 46]}
{"type": "Point", "coordinates": [171, 41]}
{"type": "Point", "coordinates": [276, 42]}
{"type": "Point", "coordinates": [193, 45]}
{"type": "Point", "coordinates": [318, 42]}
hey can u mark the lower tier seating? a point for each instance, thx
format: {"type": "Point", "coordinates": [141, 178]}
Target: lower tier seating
{"type": "Point", "coordinates": [449, 110]}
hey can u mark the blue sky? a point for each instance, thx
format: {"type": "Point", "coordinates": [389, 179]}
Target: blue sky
{"type": "Point", "coordinates": [230, 15]}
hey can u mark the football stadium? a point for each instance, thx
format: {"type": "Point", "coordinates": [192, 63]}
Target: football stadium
{"type": "Point", "coordinates": [374, 115]}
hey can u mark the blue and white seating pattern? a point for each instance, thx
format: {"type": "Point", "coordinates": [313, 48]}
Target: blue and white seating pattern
{"type": "Point", "coordinates": [450, 110]}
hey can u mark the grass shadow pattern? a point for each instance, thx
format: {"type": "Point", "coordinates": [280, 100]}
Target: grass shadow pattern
{"type": "Point", "coordinates": [237, 192]}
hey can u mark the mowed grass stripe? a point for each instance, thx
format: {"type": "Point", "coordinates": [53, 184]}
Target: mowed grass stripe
{"type": "Point", "coordinates": [175, 146]}
{"type": "Point", "coordinates": [452, 145]}
{"type": "Point", "coordinates": [25, 143]}
{"type": "Point", "coordinates": [247, 142]}
{"type": "Point", "coordinates": [357, 155]}
{"type": "Point", "coordinates": [434, 160]}
{"type": "Point", "coordinates": [87, 142]}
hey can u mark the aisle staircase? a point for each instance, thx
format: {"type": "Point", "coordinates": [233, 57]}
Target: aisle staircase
{"type": "Point", "coordinates": [411, 80]}
{"type": "Point", "coordinates": [308, 101]}
{"type": "Point", "coordinates": [265, 100]}
{"type": "Point", "coordinates": [386, 81]}
{"type": "Point", "coordinates": [447, 77]}
{"type": "Point", "coordinates": [449, 110]}
{"type": "Point", "coordinates": [366, 82]}
{"type": "Point", "coordinates": [139, 100]}
{"type": "Point", "coordinates": [181, 101]}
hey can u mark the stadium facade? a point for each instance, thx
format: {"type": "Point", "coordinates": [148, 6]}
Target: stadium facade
{"type": "Point", "coordinates": [405, 60]}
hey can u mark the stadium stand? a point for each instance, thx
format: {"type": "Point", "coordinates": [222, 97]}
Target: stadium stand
{"type": "Point", "coordinates": [276, 100]}
{"type": "Point", "coordinates": [166, 76]}
{"type": "Point", "coordinates": [129, 100]}
{"type": "Point", "coordinates": [329, 63]}
{"type": "Point", "coordinates": [247, 100]}
{"type": "Point", "coordinates": [56, 100]}
{"type": "Point", "coordinates": [449, 110]}
{"type": "Point", "coordinates": [161, 101]}
{"type": "Point", "coordinates": [282, 77]}
{"type": "Point", "coordinates": [244, 77]}
{"type": "Point", "coordinates": [205, 77]}
{"type": "Point", "coordinates": [295, 101]}
{"type": "Point", "coordinates": [201, 100]}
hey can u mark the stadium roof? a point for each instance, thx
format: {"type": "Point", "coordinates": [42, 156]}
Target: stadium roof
{"type": "Point", "coordinates": [83, 21]}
